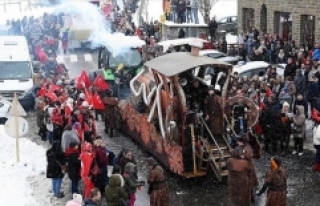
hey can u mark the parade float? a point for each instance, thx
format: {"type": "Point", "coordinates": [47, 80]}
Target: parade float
{"type": "Point", "coordinates": [158, 114]}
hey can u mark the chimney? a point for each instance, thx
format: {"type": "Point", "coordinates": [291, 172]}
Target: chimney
{"type": "Point", "coordinates": [196, 45]}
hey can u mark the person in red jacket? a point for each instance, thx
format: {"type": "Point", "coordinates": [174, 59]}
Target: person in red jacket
{"type": "Point", "coordinates": [57, 121]}
{"type": "Point", "coordinates": [86, 158]}
{"type": "Point", "coordinates": [102, 160]}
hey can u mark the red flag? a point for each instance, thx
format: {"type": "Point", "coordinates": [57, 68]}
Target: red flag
{"type": "Point", "coordinates": [53, 88]}
{"type": "Point", "coordinates": [80, 82]}
{"type": "Point", "coordinates": [85, 79]}
{"type": "Point", "coordinates": [42, 91]}
{"type": "Point", "coordinates": [51, 96]}
{"type": "Point", "coordinates": [88, 96]}
{"type": "Point", "coordinates": [97, 102]}
{"type": "Point", "coordinates": [99, 82]}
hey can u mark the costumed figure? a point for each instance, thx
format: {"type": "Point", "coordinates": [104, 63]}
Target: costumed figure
{"type": "Point", "coordinates": [214, 113]}
{"type": "Point", "coordinates": [111, 103]}
{"type": "Point", "coordinates": [158, 187]}
{"type": "Point", "coordinates": [275, 184]}
{"type": "Point", "coordinates": [239, 176]}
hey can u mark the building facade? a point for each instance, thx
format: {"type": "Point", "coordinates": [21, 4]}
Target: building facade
{"type": "Point", "coordinates": [298, 20]}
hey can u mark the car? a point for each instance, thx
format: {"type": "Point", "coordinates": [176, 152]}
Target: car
{"type": "Point", "coordinates": [215, 54]}
{"type": "Point", "coordinates": [4, 107]}
{"type": "Point", "coordinates": [253, 68]}
{"type": "Point", "coordinates": [248, 69]}
{"type": "Point", "coordinates": [227, 23]}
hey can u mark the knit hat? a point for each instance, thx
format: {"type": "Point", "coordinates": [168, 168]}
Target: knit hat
{"type": "Point", "coordinates": [298, 71]}
{"type": "Point", "coordinates": [76, 125]}
{"type": "Point", "coordinates": [285, 104]}
{"type": "Point", "coordinates": [77, 198]}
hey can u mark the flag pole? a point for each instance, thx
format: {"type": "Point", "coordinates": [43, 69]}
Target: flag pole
{"type": "Point", "coordinates": [15, 107]}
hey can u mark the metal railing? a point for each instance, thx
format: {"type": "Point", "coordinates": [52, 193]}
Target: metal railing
{"type": "Point", "coordinates": [30, 4]}
{"type": "Point", "coordinates": [214, 140]}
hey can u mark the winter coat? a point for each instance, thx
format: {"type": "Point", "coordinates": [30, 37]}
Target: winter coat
{"type": "Point", "coordinates": [299, 121]}
{"type": "Point", "coordinates": [316, 135]}
{"type": "Point", "coordinates": [123, 161]}
{"type": "Point", "coordinates": [48, 114]}
{"type": "Point", "coordinates": [40, 118]}
{"type": "Point", "coordinates": [313, 91]}
{"type": "Point", "coordinates": [114, 191]}
{"type": "Point", "coordinates": [301, 103]}
{"type": "Point", "coordinates": [53, 160]}
{"type": "Point", "coordinates": [74, 164]}
{"type": "Point", "coordinates": [101, 157]}
{"type": "Point", "coordinates": [299, 82]}
{"type": "Point", "coordinates": [130, 178]}
{"type": "Point", "coordinates": [289, 70]}
{"type": "Point", "coordinates": [239, 175]}
{"type": "Point", "coordinates": [156, 178]}
{"type": "Point", "coordinates": [68, 136]}
{"type": "Point", "coordinates": [316, 55]}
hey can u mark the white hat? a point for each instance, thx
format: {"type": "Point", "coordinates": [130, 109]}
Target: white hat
{"type": "Point", "coordinates": [77, 198]}
{"type": "Point", "coordinates": [285, 104]}
{"type": "Point", "coordinates": [85, 104]}
{"type": "Point", "coordinates": [82, 96]}
{"type": "Point", "coordinates": [70, 101]}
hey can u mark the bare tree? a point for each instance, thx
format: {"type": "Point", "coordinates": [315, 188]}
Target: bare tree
{"type": "Point", "coordinates": [205, 7]}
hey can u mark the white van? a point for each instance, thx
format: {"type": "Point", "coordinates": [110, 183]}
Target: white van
{"type": "Point", "coordinates": [16, 71]}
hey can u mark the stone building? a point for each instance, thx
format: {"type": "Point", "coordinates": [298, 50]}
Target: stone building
{"type": "Point", "coordinates": [298, 20]}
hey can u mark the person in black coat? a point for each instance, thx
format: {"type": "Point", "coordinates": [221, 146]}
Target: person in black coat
{"type": "Point", "coordinates": [312, 92]}
{"type": "Point", "coordinates": [213, 25]}
{"type": "Point", "coordinates": [74, 165]}
{"type": "Point", "coordinates": [56, 161]}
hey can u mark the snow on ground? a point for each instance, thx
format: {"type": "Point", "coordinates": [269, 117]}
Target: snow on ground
{"type": "Point", "coordinates": [15, 189]}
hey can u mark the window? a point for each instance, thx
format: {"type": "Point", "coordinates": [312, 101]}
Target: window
{"type": "Point", "coordinates": [223, 21]}
{"type": "Point", "coordinates": [216, 55]}
{"type": "Point", "coordinates": [234, 18]}
{"type": "Point", "coordinates": [15, 70]}
{"type": "Point", "coordinates": [130, 59]}
{"type": "Point", "coordinates": [248, 74]}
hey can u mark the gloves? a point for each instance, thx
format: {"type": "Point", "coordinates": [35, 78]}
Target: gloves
{"type": "Point", "coordinates": [142, 183]}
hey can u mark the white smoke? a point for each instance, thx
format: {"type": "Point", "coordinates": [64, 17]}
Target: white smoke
{"type": "Point", "coordinates": [88, 16]}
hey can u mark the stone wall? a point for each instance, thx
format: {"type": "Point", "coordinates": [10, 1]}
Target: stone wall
{"type": "Point", "coordinates": [296, 7]}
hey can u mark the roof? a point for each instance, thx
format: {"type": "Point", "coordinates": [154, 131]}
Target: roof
{"type": "Point", "coordinates": [208, 51]}
{"type": "Point", "coordinates": [15, 43]}
{"type": "Point", "coordinates": [250, 65]}
{"type": "Point", "coordinates": [181, 41]}
{"type": "Point", "coordinates": [178, 62]}
{"type": "Point", "coordinates": [184, 25]}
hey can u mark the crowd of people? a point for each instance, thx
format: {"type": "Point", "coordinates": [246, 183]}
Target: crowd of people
{"type": "Point", "coordinates": [67, 111]}
{"type": "Point", "coordinates": [181, 11]}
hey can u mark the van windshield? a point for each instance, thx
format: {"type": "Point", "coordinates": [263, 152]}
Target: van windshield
{"type": "Point", "coordinates": [130, 59]}
{"type": "Point", "coordinates": [15, 70]}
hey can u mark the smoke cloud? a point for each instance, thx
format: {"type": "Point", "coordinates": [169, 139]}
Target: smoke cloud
{"type": "Point", "coordinates": [88, 16]}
